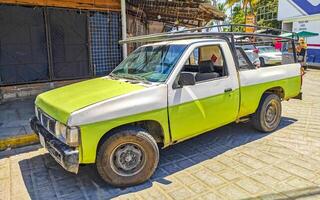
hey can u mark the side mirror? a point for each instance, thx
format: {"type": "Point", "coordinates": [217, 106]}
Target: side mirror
{"type": "Point", "coordinates": [186, 78]}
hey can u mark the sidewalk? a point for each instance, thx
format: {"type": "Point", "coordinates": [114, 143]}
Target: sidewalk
{"type": "Point", "coordinates": [14, 123]}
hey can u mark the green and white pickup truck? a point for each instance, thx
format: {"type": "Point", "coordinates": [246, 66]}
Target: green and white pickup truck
{"type": "Point", "coordinates": [161, 94]}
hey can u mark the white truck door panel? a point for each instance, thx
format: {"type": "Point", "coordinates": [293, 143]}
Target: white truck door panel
{"type": "Point", "coordinates": [207, 104]}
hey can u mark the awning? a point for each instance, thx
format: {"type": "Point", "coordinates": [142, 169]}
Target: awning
{"type": "Point", "coordinates": [176, 12]}
{"type": "Point", "coordinates": [307, 34]}
{"type": "Point", "coordinates": [303, 34]}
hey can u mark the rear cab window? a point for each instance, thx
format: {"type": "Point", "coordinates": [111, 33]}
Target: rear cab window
{"type": "Point", "coordinates": [243, 60]}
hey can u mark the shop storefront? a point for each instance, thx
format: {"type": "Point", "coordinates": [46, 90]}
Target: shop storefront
{"type": "Point", "coordinates": [46, 43]}
{"type": "Point", "coordinates": [303, 15]}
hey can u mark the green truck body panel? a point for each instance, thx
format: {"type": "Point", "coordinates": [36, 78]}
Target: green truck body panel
{"type": "Point", "coordinates": [201, 114]}
{"type": "Point", "coordinates": [204, 114]}
{"type": "Point", "coordinates": [61, 102]}
{"type": "Point", "coordinates": [251, 95]}
{"type": "Point", "coordinates": [92, 133]}
{"type": "Point", "coordinates": [231, 101]}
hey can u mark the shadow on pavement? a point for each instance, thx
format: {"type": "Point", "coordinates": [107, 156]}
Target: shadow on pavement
{"type": "Point", "coordinates": [45, 179]}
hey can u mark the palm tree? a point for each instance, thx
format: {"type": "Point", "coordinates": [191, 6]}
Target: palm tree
{"type": "Point", "coordinates": [222, 7]}
{"type": "Point", "coordinates": [244, 4]}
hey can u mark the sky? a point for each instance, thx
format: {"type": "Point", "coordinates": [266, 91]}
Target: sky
{"type": "Point", "coordinates": [228, 10]}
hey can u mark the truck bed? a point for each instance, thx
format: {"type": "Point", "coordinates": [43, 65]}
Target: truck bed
{"type": "Point", "coordinates": [254, 82]}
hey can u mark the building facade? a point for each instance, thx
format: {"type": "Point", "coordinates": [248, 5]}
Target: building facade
{"type": "Point", "coordinates": [54, 40]}
{"type": "Point", "coordinates": [302, 15]}
{"type": "Point", "coordinates": [49, 43]}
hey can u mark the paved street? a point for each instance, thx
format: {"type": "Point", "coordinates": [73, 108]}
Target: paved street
{"type": "Point", "coordinates": [14, 117]}
{"type": "Point", "coordinates": [232, 162]}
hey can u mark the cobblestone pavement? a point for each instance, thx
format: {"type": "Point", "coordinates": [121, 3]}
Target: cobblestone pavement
{"type": "Point", "coordinates": [232, 162]}
{"type": "Point", "coordinates": [14, 117]}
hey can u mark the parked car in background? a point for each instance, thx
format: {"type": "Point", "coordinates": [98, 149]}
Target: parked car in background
{"type": "Point", "coordinates": [253, 57]}
{"type": "Point", "coordinates": [248, 47]}
{"type": "Point", "coordinates": [268, 55]}
{"type": "Point", "coordinates": [252, 53]}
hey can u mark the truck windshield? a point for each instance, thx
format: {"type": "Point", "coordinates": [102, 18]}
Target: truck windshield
{"type": "Point", "coordinates": [150, 63]}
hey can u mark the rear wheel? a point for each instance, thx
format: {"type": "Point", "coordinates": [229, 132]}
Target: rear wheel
{"type": "Point", "coordinates": [268, 114]}
{"type": "Point", "coordinates": [128, 157]}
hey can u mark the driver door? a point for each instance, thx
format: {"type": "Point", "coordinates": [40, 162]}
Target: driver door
{"type": "Point", "coordinates": [214, 99]}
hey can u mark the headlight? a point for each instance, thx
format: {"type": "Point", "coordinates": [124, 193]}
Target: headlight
{"type": "Point", "coordinates": [69, 135]}
{"type": "Point", "coordinates": [60, 131]}
{"type": "Point", "coordinates": [73, 136]}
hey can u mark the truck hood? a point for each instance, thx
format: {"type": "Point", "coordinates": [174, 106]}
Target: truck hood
{"type": "Point", "coordinates": [61, 102]}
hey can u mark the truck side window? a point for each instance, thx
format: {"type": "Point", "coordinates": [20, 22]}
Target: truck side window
{"type": "Point", "coordinates": [206, 62]}
{"type": "Point", "coordinates": [244, 62]}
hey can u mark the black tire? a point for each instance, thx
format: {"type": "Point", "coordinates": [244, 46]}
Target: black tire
{"type": "Point", "coordinates": [268, 115]}
{"type": "Point", "coordinates": [126, 148]}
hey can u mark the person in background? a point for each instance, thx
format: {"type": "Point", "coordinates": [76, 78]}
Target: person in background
{"type": "Point", "coordinates": [301, 51]}
{"type": "Point", "coordinates": [278, 44]}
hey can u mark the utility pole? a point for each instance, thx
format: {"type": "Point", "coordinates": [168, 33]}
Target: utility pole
{"type": "Point", "coordinates": [124, 28]}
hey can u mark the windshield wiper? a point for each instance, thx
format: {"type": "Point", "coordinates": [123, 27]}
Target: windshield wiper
{"type": "Point", "coordinates": [133, 77]}
{"type": "Point", "coordinates": [113, 77]}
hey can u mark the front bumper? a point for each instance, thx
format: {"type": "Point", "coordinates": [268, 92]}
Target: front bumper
{"type": "Point", "coordinates": [66, 156]}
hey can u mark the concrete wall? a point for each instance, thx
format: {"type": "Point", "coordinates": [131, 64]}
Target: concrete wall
{"type": "Point", "coordinates": [19, 91]}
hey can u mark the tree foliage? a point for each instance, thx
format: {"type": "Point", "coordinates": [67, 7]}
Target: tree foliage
{"type": "Point", "coordinates": [240, 8]}
{"type": "Point", "coordinates": [247, 5]}
{"type": "Point", "coordinates": [238, 17]}
{"type": "Point", "coordinates": [272, 7]}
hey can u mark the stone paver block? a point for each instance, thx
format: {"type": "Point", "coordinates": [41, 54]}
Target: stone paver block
{"type": "Point", "coordinates": [250, 186]}
{"type": "Point", "coordinates": [232, 191]}
{"type": "Point", "coordinates": [181, 193]}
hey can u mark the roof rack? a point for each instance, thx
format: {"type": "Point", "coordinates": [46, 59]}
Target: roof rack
{"type": "Point", "coordinates": [228, 36]}
{"type": "Point", "coordinates": [194, 33]}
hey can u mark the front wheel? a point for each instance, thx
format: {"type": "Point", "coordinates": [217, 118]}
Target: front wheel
{"type": "Point", "coordinates": [128, 157]}
{"type": "Point", "coordinates": [268, 115]}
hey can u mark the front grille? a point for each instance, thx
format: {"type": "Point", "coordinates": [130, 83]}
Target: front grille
{"type": "Point", "coordinates": [54, 153]}
{"type": "Point", "coordinates": [47, 122]}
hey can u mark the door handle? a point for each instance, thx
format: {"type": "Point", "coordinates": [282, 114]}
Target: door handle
{"type": "Point", "coordinates": [228, 90]}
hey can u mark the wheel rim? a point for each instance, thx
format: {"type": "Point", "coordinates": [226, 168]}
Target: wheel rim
{"type": "Point", "coordinates": [272, 113]}
{"type": "Point", "coordinates": [127, 159]}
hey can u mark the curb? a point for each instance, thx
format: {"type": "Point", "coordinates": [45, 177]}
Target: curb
{"type": "Point", "coordinates": [18, 141]}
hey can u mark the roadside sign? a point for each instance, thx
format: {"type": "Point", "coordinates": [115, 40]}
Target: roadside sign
{"type": "Point", "coordinates": [250, 20]}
